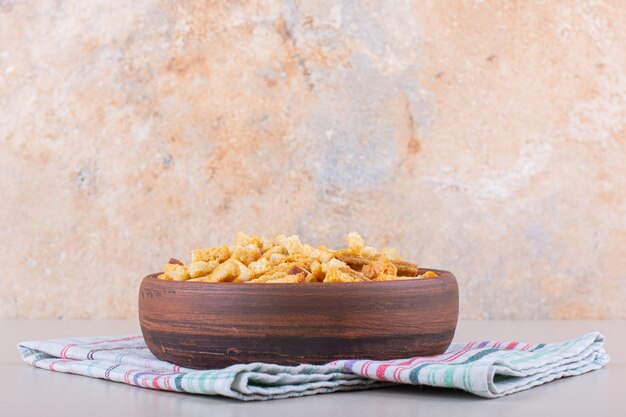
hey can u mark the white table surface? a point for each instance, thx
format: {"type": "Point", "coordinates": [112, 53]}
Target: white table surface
{"type": "Point", "coordinates": [27, 391]}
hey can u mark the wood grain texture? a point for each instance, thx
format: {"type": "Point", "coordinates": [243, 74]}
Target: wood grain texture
{"type": "Point", "coordinates": [213, 325]}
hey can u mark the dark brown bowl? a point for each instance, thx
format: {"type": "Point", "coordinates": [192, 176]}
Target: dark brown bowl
{"type": "Point", "coordinates": [214, 325]}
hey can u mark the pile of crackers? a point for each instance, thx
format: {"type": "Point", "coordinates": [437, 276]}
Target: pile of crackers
{"type": "Point", "coordinates": [256, 260]}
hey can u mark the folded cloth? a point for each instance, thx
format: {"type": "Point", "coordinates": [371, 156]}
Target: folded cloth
{"type": "Point", "coordinates": [487, 369]}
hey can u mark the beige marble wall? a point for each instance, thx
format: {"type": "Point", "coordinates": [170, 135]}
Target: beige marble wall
{"type": "Point", "coordinates": [488, 138]}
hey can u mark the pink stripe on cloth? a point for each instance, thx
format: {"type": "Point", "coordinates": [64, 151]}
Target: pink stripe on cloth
{"type": "Point", "coordinates": [365, 367]}
{"type": "Point", "coordinates": [380, 372]}
{"type": "Point", "coordinates": [425, 359]}
{"type": "Point", "coordinates": [51, 364]}
{"type": "Point", "coordinates": [64, 350]}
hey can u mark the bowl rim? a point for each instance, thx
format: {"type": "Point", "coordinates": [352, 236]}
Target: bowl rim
{"type": "Point", "coordinates": [441, 274]}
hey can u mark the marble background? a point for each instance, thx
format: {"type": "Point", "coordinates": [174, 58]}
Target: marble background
{"type": "Point", "coordinates": [487, 138]}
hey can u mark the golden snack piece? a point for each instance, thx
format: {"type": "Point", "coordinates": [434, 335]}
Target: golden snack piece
{"type": "Point", "coordinates": [268, 277]}
{"type": "Point", "coordinates": [406, 269]}
{"type": "Point", "coordinates": [218, 253]}
{"type": "Point", "coordinates": [333, 263]}
{"type": "Point", "coordinates": [259, 267]}
{"type": "Point", "coordinates": [287, 260]}
{"type": "Point", "coordinates": [355, 243]}
{"type": "Point", "coordinates": [357, 263]}
{"type": "Point", "coordinates": [380, 267]}
{"type": "Point", "coordinates": [280, 250]}
{"type": "Point", "coordinates": [369, 251]}
{"type": "Point", "coordinates": [344, 275]}
{"type": "Point", "coordinates": [202, 268]}
{"type": "Point", "coordinates": [323, 254]}
{"type": "Point", "coordinates": [277, 259]}
{"type": "Point", "coordinates": [291, 243]}
{"type": "Point", "coordinates": [244, 272]}
{"type": "Point", "coordinates": [316, 271]}
{"type": "Point", "coordinates": [242, 239]}
{"type": "Point", "coordinates": [176, 272]}
{"type": "Point", "coordinates": [246, 254]}
{"type": "Point", "coordinates": [227, 271]}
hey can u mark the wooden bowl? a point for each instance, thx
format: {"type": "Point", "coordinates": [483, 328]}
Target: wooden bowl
{"type": "Point", "coordinates": [214, 325]}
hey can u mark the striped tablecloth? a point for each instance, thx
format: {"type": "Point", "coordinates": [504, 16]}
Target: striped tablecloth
{"type": "Point", "coordinates": [487, 369]}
